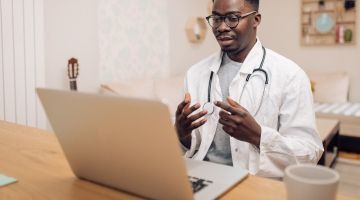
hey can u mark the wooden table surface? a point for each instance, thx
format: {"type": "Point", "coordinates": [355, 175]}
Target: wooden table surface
{"type": "Point", "coordinates": [327, 127]}
{"type": "Point", "coordinates": [35, 158]}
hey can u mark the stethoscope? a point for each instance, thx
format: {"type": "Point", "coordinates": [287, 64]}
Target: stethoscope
{"type": "Point", "coordinates": [210, 107]}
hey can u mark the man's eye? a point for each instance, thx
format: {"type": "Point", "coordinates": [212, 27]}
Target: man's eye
{"type": "Point", "coordinates": [217, 19]}
{"type": "Point", "coordinates": [232, 18]}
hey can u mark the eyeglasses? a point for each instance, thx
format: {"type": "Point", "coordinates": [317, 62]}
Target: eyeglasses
{"type": "Point", "coordinates": [231, 20]}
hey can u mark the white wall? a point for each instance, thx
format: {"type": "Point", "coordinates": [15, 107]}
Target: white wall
{"type": "Point", "coordinates": [280, 31]}
{"type": "Point", "coordinates": [134, 39]}
{"type": "Point", "coordinates": [71, 31]}
{"type": "Point", "coordinates": [183, 54]}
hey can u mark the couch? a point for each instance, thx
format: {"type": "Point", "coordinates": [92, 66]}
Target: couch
{"type": "Point", "coordinates": [169, 90]}
{"type": "Point", "coordinates": [331, 92]}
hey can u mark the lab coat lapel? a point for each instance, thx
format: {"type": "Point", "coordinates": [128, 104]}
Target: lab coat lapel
{"type": "Point", "coordinates": [209, 128]}
{"type": "Point", "coordinates": [251, 62]}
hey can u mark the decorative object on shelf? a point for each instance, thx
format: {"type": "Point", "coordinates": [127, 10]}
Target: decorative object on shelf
{"type": "Point", "coordinates": [196, 29]}
{"type": "Point", "coordinates": [349, 4]}
{"type": "Point", "coordinates": [348, 35]}
{"type": "Point", "coordinates": [324, 23]}
{"type": "Point", "coordinates": [328, 22]}
{"type": "Point", "coordinates": [73, 72]}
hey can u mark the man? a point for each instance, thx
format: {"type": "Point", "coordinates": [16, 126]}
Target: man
{"type": "Point", "coordinates": [263, 118]}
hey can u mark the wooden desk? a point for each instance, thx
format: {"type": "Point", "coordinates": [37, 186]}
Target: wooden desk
{"type": "Point", "coordinates": [329, 133]}
{"type": "Point", "coordinates": [34, 157]}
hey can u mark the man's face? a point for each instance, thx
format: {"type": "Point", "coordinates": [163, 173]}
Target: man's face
{"type": "Point", "coordinates": [234, 40]}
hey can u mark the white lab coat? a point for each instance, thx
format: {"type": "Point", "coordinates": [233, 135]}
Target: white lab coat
{"type": "Point", "coordinates": [286, 116]}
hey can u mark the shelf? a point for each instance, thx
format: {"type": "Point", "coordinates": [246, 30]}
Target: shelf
{"type": "Point", "coordinates": [346, 22]}
{"type": "Point", "coordinates": [317, 1]}
{"type": "Point", "coordinates": [320, 34]}
{"type": "Point", "coordinates": [311, 16]}
{"type": "Point", "coordinates": [303, 43]}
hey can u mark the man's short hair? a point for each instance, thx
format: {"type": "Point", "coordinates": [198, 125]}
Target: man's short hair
{"type": "Point", "coordinates": [253, 3]}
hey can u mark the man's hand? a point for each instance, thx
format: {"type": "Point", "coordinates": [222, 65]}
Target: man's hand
{"type": "Point", "coordinates": [238, 122]}
{"type": "Point", "coordinates": [185, 122]}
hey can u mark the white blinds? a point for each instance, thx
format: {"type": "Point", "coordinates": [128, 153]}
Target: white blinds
{"type": "Point", "coordinates": [21, 61]}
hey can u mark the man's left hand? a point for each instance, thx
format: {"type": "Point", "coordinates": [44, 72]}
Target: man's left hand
{"type": "Point", "coordinates": [238, 122]}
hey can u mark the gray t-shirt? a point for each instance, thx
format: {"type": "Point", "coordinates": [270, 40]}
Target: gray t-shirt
{"type": "Point", "coordinates": [220, 151]}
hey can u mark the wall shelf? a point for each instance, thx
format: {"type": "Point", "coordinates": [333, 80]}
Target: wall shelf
{"type": "Point", "coordinates": [328, 22]}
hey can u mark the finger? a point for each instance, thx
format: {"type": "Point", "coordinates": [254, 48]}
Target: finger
{"type": "Point", "coordinates": [235, 104]}
{"type": "Point", "coordinates": [228, 130]}
{"type": "Point", "coordinates": [225, 106]}
{"type": "Point", "coordinates": [224, 115]}
{"type": "Point", "coordinates": [195, 117]}
{"type": "Point", "coordinates": [197, 124]}
{"type": "Point", "coordinates": [232, 102]}
{"type": "Point", "coordinates": [187, 97]}
{"type": "Point", "coordinates": [237, 119]}
{"type": "Point", "coordinates": [227, 123]}
{"type": "Point", "coordinates": [182, 105]}
{"type": "Point", "coordinates": [188, 111]}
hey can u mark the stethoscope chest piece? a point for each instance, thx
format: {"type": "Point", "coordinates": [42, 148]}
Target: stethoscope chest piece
{"type": "Point", "coordinates": [209, 107]}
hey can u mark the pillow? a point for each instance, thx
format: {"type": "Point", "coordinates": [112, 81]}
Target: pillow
{"type": "Point", "coordinates": [170, 91]}
{"type": "Point", "coordinates": [330, 87]}
{"type": "Point", "coordinates": [142, 88]}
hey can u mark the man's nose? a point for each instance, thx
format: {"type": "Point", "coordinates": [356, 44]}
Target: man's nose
{"type": "Point", "coordinates": [223, 27]}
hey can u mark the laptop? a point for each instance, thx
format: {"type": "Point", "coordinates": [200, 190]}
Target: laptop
{"type": "Point", "coordinates": [131, 145]}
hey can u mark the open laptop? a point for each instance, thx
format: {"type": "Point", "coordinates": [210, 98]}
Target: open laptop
{"type": "Point", "coordinates": [131, 145]}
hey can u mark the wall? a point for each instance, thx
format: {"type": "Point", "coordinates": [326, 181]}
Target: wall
{"type": "Point", "coordinates": [151, 42]}
{"type": "Point", "coordinates": [78, 28]}
{"type": "Point", "coordinates": [134, 39]}
{"type": "Point", "coordinates": [71, 31]}
{"type": "Point", "coordinates": [280, 31]}
{"type": "Point", "coordinates": [183, 54]}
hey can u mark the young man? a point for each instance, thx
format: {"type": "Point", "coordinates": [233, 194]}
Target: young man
{"type": "Point", "coordinates": [247, 106]}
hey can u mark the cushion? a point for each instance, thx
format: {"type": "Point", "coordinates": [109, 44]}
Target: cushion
{"type": "Point", "coordinates": [143, 88]}
{"type": "Point", "coordinates": [170, 91]}
{"type": "Point", "coordinates": [330, 87]}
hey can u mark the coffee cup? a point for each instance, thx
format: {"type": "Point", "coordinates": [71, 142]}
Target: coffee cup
{"type": "Point", "coordinates": [311, 182]}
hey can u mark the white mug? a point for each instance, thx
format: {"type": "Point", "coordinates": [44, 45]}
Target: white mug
{"type": "Point", "coordinates": [311, 182]}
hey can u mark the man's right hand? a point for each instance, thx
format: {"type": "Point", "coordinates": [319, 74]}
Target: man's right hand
{"type": "Point", "coordinates": [186, 122]}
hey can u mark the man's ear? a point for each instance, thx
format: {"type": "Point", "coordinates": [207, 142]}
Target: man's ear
{"type": "Point", "coordinates": [257, 20]}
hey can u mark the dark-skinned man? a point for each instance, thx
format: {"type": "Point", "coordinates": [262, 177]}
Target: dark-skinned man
{"type": "Point", "coordinates": [247, 106]}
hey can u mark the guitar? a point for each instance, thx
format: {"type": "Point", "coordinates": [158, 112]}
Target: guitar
{"type": "Point", "coordinates": [73, 72]}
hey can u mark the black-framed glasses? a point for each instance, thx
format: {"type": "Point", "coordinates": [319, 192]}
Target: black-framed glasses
{"type": "Point", "coordinates": [231, 20]}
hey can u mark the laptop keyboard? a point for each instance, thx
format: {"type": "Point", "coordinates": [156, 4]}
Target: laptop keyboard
{"type": "Point", "coordinates": [198, 183]}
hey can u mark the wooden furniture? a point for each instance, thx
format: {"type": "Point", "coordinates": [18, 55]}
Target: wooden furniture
{"type": "Point", "coordinates": [329, 133]}
{"type": "Point", "coordinates": [328, 22]}
{"type": "Point", "coordinates": [196, 29]}
{"type": "Point", "coordinates": [349, 125]}
{"type": "Point", "coordinates": [35, 158]}
{"type": "Point", "coordinates": [349, 139]}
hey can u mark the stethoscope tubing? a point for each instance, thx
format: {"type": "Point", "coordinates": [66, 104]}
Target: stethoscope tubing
{"type": "Point", "coordinates": [210, 108]}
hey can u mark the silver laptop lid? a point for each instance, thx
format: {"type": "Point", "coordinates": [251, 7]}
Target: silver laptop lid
{"type": "Point", "coordinates": [104, 142]}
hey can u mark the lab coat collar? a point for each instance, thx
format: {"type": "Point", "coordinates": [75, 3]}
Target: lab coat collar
{"type": "Point", "coordinates": [252, 60]}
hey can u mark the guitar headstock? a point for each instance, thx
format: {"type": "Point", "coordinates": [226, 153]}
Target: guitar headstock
{"type": "Point", "coordinates": [73, 68]}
